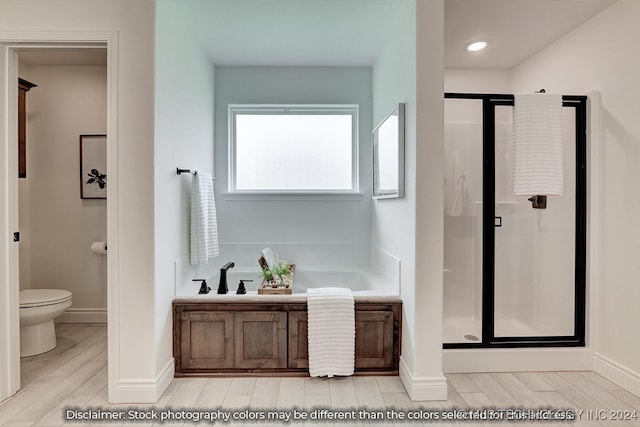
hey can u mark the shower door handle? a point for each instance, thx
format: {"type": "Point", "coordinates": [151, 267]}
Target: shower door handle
{"type": "Point", "coordinates": [497, 221]}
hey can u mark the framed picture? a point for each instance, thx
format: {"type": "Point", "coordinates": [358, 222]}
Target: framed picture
{"type": "Point", "coordinates": [93, 166]}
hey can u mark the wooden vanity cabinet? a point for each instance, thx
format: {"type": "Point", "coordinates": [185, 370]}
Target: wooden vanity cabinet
{"type": "Point", "coordinates": [250, 338]}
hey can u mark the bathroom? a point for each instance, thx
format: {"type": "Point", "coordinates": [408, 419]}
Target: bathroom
{"type": "Point", "coordinates": [146, 250]}
{"type": "Point", "coordinates": [58, 222]}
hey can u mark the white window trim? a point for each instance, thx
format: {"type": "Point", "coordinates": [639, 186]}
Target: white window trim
{"type": "Point", "coordinates": [233, 109]}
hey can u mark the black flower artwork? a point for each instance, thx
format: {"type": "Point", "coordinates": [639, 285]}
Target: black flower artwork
{"type": "Point", "coordinates": [98, 178]}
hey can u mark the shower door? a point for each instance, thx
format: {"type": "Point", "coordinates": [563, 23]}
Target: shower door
{"type": "Point", "coordinates": [532, 261]}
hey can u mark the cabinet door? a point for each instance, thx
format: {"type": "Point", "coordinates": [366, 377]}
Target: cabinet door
{"type": "Point", "coordinates": [298, 341]}
{"type": "Point", "coordinates": [374, 339]}
{"type": "Point", "coordinates": [207, 340]}
{"type": "Point", "coordinates": [373, 346]}
{"type": "Point", "coordinates": [260, 340]}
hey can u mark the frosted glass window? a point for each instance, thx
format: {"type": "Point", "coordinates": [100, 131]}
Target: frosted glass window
{"type": "Point", "coordinates": [294, 149]}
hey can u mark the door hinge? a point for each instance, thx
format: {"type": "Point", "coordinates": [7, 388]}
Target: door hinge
{"type": "Point", "coordinates": [16, 236]}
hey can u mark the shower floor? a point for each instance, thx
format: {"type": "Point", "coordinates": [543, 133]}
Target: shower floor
{"type": "Point", "coordinates": [462, 330]}
{"type": "Point", "coordinates": [466, 329]}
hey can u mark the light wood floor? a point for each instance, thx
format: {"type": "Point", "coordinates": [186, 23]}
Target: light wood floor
{"type": "Point", "coordinates": [75, 375]}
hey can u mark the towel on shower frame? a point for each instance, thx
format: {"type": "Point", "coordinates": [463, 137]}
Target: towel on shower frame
{"type": "Point", "coordinates": [204, 224]}
{"type": "Point", "coordinates": [331, 331]}
{"type": "Point", "coordinates": [537, 144]}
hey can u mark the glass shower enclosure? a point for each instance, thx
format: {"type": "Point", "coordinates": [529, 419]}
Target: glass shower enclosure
{"type": "Point", "coordinates": [514, 276]}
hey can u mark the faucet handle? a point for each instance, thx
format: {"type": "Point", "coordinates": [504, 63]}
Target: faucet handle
{"type": "Point", "coordinates": [204, 289]}
{"type": "Point", "coordinates": [241, 289]}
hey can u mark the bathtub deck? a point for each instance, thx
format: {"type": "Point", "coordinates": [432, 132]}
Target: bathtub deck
{"type": "Point", "coordinates": [268, 336]}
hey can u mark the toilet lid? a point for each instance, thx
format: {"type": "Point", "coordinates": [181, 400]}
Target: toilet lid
{"type": "Point", "coordinates": [36, 297]}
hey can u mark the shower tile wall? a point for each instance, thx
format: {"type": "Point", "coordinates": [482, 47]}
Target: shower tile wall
{"type": "Point", "coordinates": [463, 220]}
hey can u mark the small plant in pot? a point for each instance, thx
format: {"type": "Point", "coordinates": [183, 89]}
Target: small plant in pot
{"type": "Point", "coordinates": [277, 276]}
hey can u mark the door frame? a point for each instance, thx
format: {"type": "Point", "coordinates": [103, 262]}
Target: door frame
{"type": "Point", "coordinates": [10, 42]}
{"type": "Point", "coordinates": [489, 340]}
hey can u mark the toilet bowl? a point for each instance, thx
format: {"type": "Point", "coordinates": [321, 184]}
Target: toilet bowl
{"type": "Point", "coordinates": [38, 308]}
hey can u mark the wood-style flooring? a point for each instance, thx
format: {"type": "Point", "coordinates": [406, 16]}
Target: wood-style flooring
{"type": "Point", "coordinates": [74, 375]}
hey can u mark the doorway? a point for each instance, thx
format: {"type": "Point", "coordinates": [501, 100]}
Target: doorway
{"type": "Point", "coordinates": [10, 50]}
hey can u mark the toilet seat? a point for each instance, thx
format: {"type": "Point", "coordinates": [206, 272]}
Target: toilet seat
{"type": "Point", "coordinates": [41, 297]}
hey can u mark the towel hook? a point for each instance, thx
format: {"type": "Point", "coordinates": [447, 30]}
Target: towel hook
{"type": "Point", "coordinates": [180, 171]}
{"type": "Point", "coordinates": [541, 91]}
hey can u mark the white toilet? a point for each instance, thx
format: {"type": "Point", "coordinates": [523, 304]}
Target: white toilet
{"type": "Point", "coordinates": [38, 308]}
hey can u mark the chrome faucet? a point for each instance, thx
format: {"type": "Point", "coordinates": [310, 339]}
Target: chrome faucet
{"type": "Point", "coordinates": [222, 286]}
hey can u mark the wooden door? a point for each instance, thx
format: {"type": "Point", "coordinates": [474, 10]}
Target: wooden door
{"type": "Point", "coordinates": [298, 340]}
{"type": "Point", "coordinates": [374, 339]}
{"type": "Point", "coordinates": [207, 340]}
{"type": "Point", "coordinates": [260, 340]}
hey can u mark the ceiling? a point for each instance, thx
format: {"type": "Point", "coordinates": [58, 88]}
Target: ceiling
{"type": "Point", "coordinates": [515, 29]}
{"type": "Point", "coordinates": [292, 32]}
{"type": "Point", "coordinates": [353, 32]}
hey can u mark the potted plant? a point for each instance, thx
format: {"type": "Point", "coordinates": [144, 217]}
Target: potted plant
{"type": "Point", "coordinates": [277, 276]}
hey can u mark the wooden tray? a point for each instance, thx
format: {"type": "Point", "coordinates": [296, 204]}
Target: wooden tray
{"type": "Point", "coordinates": [266, 289]}
{"type": "Point", "coordinates": [263, 290]}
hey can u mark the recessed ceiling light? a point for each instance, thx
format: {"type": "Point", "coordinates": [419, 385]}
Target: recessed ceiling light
{"type": "Point", "coordinates": [476, 46]}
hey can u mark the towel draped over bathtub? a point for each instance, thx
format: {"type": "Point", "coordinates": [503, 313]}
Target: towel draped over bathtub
{"type": "Point", "coordinates": [331, 331]}
{"type": "Point", "coordinates": [204, 224]}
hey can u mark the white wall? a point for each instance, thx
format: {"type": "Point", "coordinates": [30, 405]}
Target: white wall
{"type": "Point", "coordinates": [132, 358]}
{"type": "Point", "coordinates": [58, 226]}
{"type": "Point", "coordinates": [410, 70]}
{"type": "Point", "coordinates": [601, 55]}
{"type": "Point", "coordinates": [466, 80]}
{"type": "Point", "coordinates": [296, 219]}
{"type": "Point", "coordinates": [184, 95]}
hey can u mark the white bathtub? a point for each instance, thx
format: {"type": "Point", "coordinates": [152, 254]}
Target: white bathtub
{"type": "Point", "coordinates": [362, 284]}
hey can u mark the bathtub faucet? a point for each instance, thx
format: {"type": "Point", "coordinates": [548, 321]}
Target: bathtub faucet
{"type": "Point", "coordinates": [222, 286]}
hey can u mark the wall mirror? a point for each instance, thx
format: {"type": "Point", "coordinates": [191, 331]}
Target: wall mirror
{"type": "Point", "coordinates": [388, 156]}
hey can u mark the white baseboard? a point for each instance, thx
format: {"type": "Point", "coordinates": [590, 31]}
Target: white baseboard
{"type": "Point", "coordinates": [617, 373]}
{"type": "Point", "coordinates": [517, 359]}
{"type": "Point", "coordinates": [143, 390]}
{"type": "Point", "coordinates": [422, 389]}
{"type": "Point", "coordinates": [83, 315]}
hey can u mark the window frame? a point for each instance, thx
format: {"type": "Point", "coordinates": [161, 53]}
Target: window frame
{"type": "Point", "coordinates": [293, 109]}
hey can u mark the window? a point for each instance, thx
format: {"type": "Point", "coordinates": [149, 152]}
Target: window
{"type": "Point", "coordinates": [288, 149]}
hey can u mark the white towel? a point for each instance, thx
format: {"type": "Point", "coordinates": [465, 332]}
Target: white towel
{"type": "Point", "coordinates": [204, 225]}
{"type": "Point", "coordinates": [331, 331]}
{"type": "Point", "coordinates": [537, 144]}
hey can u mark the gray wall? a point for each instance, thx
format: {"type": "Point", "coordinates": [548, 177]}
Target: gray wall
{"type": "Point", "coordinates": [300, 219]}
